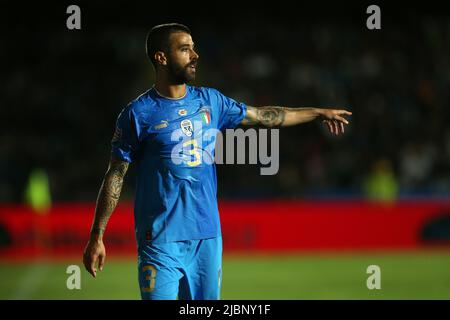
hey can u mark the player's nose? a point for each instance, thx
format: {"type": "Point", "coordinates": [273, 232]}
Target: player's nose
{"type": "Point", "coordinates": [195, 55]}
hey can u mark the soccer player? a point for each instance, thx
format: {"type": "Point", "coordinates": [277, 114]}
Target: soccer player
{"type": "Point", "coordinates": [177, 223]}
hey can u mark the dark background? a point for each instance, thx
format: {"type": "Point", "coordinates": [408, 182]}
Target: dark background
{"type": "Point", "coordinates": [62, 90]}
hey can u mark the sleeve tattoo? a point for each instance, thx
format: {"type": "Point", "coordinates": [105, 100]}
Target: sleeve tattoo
{"type": "Point", "coordinates": [109, 194]}
{"type": "Point", "coordinates": [266, 116]}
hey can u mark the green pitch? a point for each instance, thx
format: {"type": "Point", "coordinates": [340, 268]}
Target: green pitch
{"type": "Point", "coordinates": [420, 275]}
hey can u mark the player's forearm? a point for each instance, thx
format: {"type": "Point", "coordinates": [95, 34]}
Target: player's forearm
{"type": "Point", "coordinates": [108, 197]}
{"type": "Point", "coordinates": [274, 116]}
{"type": "Point", "coordinates": [295, 116]}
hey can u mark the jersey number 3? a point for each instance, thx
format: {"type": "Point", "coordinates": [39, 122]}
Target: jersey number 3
{"type": "Point", "coordinates": [194, 152]}
{"type": "Point", "coordinates": [150, 277]}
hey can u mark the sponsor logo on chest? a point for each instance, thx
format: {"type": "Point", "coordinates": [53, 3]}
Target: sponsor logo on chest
{"type": "Point", "coordinates": [162, 125]}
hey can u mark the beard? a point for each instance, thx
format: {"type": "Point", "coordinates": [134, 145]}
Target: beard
{"type": "Point", "coordinates": [181, 74]}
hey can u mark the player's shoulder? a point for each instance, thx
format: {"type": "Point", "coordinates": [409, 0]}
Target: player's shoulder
{"type": "Point", "coordinates": [204, 92]}
{"type": "Point", "coordinates": [142, 104]}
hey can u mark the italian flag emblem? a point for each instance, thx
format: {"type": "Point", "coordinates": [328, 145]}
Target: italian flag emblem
{"type": "Point", "coordinates": [206, 117]}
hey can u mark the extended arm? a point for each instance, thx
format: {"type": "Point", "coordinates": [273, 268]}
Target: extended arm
{"type": "Point", "coordinates": [107, 200]}
{"type": "Point", "coordinates": [270, 116]}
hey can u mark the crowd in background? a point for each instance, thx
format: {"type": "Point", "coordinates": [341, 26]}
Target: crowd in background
{"type": "Point", "coordinates": [62, 91]}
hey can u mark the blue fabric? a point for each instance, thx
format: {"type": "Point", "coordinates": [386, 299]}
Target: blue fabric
{"type": "Point", "coordinates": [171, 142]}
{"type": "Point", "coordinates": [187, 270]}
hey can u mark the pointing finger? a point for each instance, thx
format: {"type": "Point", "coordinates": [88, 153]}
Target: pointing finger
{"type": "Point", "coordinates": [345, 112]}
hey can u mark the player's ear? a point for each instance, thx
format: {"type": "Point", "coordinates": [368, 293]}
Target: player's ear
{"type": "Point", "coordinates": [161, 58]}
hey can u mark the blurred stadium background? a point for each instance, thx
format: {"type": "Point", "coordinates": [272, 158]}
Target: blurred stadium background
{"type": "Point", "coordinates": [379, 195]}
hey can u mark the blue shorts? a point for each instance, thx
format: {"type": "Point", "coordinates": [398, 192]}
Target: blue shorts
{"type": "Point", "coordinates": [187, 270]}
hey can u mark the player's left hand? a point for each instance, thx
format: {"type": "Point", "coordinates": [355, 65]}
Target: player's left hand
{"type": "Point", "coordinates": [335, 120]}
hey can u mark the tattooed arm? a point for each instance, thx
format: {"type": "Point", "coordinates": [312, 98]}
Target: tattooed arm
{"type": "Point", "coordinates": [283, 116]}
{"type": "Point", "coordinates": [107, 200]}
{"type": "Point", "coordinates": [108, 196]}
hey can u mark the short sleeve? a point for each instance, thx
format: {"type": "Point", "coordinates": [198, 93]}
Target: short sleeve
{"type": "Point", "coordinates": [231, 112]}
{"type": "Point", "coordinates": [125, 140]}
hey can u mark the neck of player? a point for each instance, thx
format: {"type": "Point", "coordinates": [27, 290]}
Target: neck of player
{"type": "Point", "coordinates": [172, 91]}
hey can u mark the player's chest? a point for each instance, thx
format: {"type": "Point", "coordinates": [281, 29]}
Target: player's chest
{"type": "Point", "coordinates": [176, 122]}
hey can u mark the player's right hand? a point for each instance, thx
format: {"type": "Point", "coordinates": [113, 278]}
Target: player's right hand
{"type": "Point", "coordinates": [94, 255]}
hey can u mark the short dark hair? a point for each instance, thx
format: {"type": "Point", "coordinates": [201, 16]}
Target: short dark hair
{"type": "Point", "coordinates": [158, 38]}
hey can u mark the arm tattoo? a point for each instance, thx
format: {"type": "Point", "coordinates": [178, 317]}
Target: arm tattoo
{"type": "Point", "coordinates": [271, 116]}
{"type": "Point", "coordinates": [266, 116]}
{"type": "Point", "coordinates": [109, 194]}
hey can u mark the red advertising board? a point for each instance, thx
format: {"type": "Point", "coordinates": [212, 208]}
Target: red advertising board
{"type": "Point", "coordinates": [263, 226]}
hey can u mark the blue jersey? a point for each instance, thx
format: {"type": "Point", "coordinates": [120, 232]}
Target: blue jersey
{"type": "Point", "coordinates": [171, 142]}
